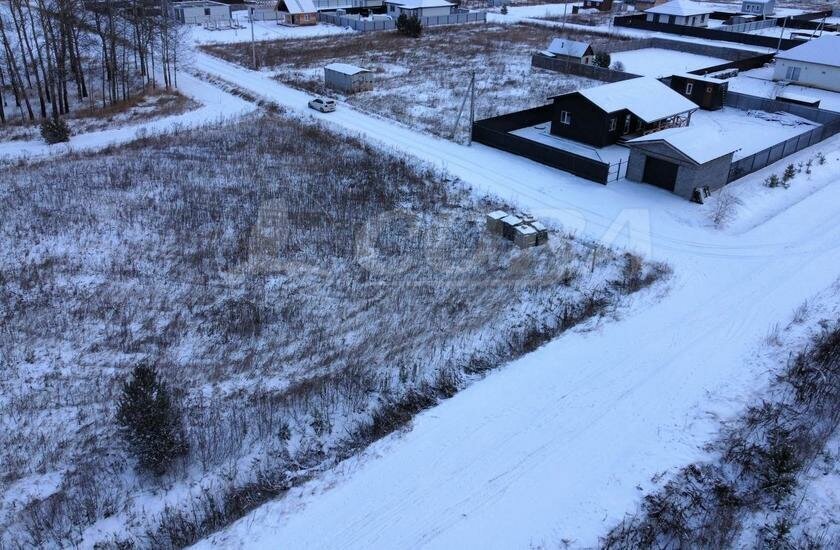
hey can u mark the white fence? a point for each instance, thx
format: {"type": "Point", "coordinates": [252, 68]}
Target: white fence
{"type": "Point", "coordinates": [366, 25]}
{"type": "Point", "coordinates": [747, 27]}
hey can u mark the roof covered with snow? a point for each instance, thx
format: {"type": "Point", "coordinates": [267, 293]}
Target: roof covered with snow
{"type": "Point", "coordinates": [417, 4]}
{"type": "Point", "coordinates": [824, 51]}
{"type": "Point", "coordinates": [680, 7]}
{"type": "Point", "coordinates": [297, 6]}
{"type": "Point", "coordinates": [695, 143]}
{"type": "Point", "coordinates": [701, 78]}
{"type": "Point", "coordinates": [346, 68]}
{"type": "Point", "coordinates": [571, 48]}
{"type": "Point", "coordinates": [645, 97]}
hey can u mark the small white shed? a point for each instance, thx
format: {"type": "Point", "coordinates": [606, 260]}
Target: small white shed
{"type": "Point", "coordinates": [758, 7]}
{"type": "Point", "coordinates": [347, 78]}
{"type": "Point", "coordinates": [420, 8]}
{"type": "Point", "coordinates": [198, 12]}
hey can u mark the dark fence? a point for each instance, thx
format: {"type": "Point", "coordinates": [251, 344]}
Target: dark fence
{"type": "Point", "coordinates": [494, 132]}
{"type": "Point", "coordinates": [571, 67]}
{"type": "Point", "coordinates": [742, 64]}
{"type": "Point", "coordinates": [639, 22]}
{"type": "Point", "coordinates": [829, 121]}
{"type": "Point", "coordinates": [365, 25]}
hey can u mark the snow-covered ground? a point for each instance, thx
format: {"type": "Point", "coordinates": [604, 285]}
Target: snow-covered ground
{"type": "Point", "coordinates": [263, 30]}
{"type": "Point", "coordinates": [554, 445]}
{"type": "Point", "coordinates": [658, 62]}
{"type": "Point", "coordinates": [759, 82]}
{"type": "Point", "coordinates": [215, 104]}
{"type": "Point", "coordinates": [748, 131]}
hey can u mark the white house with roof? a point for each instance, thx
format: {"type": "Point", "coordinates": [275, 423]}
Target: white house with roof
{"type": "Point", "coordinates": [815, 63]}
{"type": "Point", "coordinates": [758, 7]}
{"type": "Point", "coordinates": [420, 8]}
{"type": "Point", "coordinates": [680, 12]}
{"type": "Point", "coordinates": [570, 50]}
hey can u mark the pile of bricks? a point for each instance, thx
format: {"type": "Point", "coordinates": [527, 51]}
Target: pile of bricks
{"type": "Point", "coordinates": [522, 229]}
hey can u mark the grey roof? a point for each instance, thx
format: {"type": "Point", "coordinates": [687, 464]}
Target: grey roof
{"type": "Point", "coordinates": [571, 48]}
{"type": "Point", "coordinates": [696, 144]}
{"type": "Point", "coordinates": [824, 51]}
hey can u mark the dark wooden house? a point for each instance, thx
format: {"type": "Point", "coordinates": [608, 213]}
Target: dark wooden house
{"type": "Point", "coordinates": [707, 92]}
{"type": "Point", "coordinates": [602, 5]}
{"type": "Point", "coordinates": [603, 115]}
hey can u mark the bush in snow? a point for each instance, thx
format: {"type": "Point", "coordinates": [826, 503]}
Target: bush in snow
{"type": "Point", "coordinates": [772, 181]}
{"type": "Point", "coordinates": [55, 130]}
{"type": "Point", "coordinates": [790, 173]}
{"type": "Point", "coordinates": [409, 25]}
{"type": "Point", "coordinates": [618, 66]}
{"type": "Point", "coordinates": [602, 59]}
{"type": "Point", "coordinates": [504, 10]}
{"type": "Point", "coordinates": [149, 422]}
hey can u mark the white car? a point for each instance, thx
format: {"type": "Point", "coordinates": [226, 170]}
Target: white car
{"type": "Point", "coordinates": [322, 104]}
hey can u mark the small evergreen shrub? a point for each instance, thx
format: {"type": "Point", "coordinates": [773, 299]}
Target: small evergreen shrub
{"type": "Point", "coordinates": [602, 59]}
{"type": "Point", "coordinates": [409, 26]}
{"type": "Point", "coordinates": [55, 130]}
{"type": "Point", "coordinates": [149, 421]}
{"type": "Point", "coordinates": [504, 10]}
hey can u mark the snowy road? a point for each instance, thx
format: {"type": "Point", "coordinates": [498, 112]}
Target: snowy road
{"type": "Point", "coordinates": [552, 446]}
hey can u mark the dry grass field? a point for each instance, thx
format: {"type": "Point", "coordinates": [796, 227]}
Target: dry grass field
{"type": "Point", "coordinates": [423, 82]}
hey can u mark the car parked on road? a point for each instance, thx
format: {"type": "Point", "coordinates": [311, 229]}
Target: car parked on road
{"type": "Point", "coordinates": [322, 104]}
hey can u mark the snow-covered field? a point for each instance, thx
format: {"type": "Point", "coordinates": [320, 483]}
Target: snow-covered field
{"type": "Point", "coordinates": [657, 62]}
{"type": "Point", "coordinates": [759, 82]}
{"type": "Point", "coordinates": [414, 83]}
{"type": "Point", "coordinates": [576, 426]}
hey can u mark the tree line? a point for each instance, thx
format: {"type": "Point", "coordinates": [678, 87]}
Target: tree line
{"type": "Point", "coordinates": [58, 55]}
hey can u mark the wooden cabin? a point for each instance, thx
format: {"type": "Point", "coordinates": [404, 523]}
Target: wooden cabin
{"type": "Point", "coordinates": [603, 115]}
{"type": "Point", "coordinates": [706, 91]}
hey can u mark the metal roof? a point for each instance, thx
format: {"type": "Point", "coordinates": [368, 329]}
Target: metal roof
{"type": "Point", "coordinates": [694, 143]}
{"type": "Point", "coordinates": [297, 6]}
{"type": "Point", "coordinates": [345, 68]}
{"type": "Point", "coordinates": [571, 48]}
{"type": "Point", "coordinates": [824, 51]}
{"type": "Point", "coordinates": [680, 7]}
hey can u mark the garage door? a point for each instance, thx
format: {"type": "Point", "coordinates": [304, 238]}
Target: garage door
{"type": "Point", "coordinates": [660, 173]}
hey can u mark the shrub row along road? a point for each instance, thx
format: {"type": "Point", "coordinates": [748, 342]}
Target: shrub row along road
{"type": "Point", "coordinates": [554, 445]}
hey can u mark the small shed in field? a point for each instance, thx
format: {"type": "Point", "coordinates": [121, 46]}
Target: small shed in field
{"type": "Point", "coordinates": [570, 50]}
{"type": "Point", "coordinates": [706, 91]}
{"type": "Point", "coordinates": [347, 78]}
{"type": "Point", "coordinates": [197, 12]}
{"type": "Point", "coordinates": [420, 8]}
{"type": "Point", "coordinates": [297, 12]}
{"type": "Point", "coordinates": [680, 160]}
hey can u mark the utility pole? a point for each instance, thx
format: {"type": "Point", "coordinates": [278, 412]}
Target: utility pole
{"type": "Point", "coordinates": [563, 27]}
{"type": "Point", "coordinates": [782, 34]}
{"type": "Point", "coordinates": [472, 105]}
{"type": "Point", "coordinates": [253, 44]}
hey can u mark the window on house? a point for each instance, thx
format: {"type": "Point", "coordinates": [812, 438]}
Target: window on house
{"type": "Point", "coordinates": [793, 73]}
{"type": "Point", "coordinates": [689, 88]}
{"type": "Point", "coordinates": [626, 124]}
{"type": "Point", "coordinates": [565, 117]}
{"type": "Point", "coordinates": [613, 124]}
{"type": "Point", "coordinates": [639, 124]}
{"type": "Point", "coordinates": [206, 11]}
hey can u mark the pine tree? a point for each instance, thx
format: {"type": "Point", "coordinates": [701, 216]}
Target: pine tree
{"type": "Point", "coordinates": [602, 59]}
{"type": "Point", "coordinates": [790, 173]}
{"type": "Point", "coordinates": [409, 26]}
{"type": "Point", "coordinates": [149, 422]}
{"type": "Point", "coordinates": [55, 130]}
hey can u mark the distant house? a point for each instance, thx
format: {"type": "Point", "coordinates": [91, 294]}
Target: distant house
{"type": "Point", "coordinates": [196, 12]}
{"type": "Point", "coordinates": [642, 5]}
{"type": "Point", "coordinates": [602, 115]}
{"type": "Point", "coordinates": [758, 7]}
{"type": "Point", "coordinates": [420, 8]}
{"type": "Point", "coordinates": [680, 12]}
{"type": "Point", "coordinates": [602, 5]}
{"type": "Point", "coordinates": [570, 50]}
{"type": "Point", "coordinates": [347, 78]}
{"type": "Point", "coordinates": [297, 12]}
{"type": "Point", "coordinates": [815, 64]}
{"type": "Point", "coordinates": [680, 160]}
{"type": "Point", "coordinates": [706, 91]}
